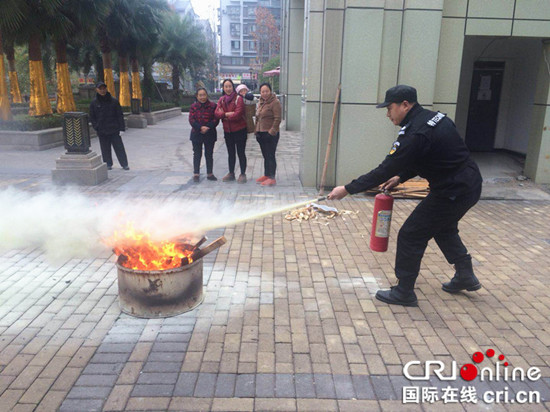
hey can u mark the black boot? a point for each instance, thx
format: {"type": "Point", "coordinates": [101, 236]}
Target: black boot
{"type": "Point", "coordinates": [464, 278]}
{"type": "Point", "coordinates": [398, 296]}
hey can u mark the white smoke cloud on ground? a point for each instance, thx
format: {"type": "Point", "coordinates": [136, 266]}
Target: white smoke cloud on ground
{"type": "Point", "coordinates": [67, 224]}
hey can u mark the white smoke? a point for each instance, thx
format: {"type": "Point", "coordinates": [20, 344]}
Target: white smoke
{"type": "Point", "coordinates": [67, 224]}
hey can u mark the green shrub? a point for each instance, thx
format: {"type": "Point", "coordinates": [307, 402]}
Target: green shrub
{"type": "Point", "coordinates": [185, 108]}
{"type": "Point", "coordinates": [83, 107]}
{"type": "Point", "coordinates": [26, 123]}
{"type": "Point", "coordinates": [156, 106]}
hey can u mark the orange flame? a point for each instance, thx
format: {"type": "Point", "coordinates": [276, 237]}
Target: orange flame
{"type": "Point", "coordinates": [141, 253]}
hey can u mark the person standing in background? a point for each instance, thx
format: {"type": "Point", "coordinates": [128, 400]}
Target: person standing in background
{"type": "Point", "coordinates": [268, 119]}
{"type": "Point", "coordinates": [249, 106]}
{"type": "Point", "coordinates": [231, 112]}
{"type": "Point", "coordinates": [108, 121]}
{"type": "Point", "coordinates": [203, 122]}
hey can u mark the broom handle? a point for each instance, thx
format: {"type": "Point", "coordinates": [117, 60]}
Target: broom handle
{"type": "Point", "coordinates": [327, 154]}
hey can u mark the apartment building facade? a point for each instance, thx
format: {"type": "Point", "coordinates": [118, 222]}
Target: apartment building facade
{"type": "Point", "coordinates": [238, 58]}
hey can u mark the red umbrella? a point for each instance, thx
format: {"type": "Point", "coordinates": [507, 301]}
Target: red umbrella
{"type": "Point", "coordinates": [272, 73]}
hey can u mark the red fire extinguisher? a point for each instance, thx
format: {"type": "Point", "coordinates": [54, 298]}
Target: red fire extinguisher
{"type": "Point", "coordinates": [381, 221]}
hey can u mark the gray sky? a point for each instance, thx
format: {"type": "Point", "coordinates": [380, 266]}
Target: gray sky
{"type": "Point", "coordinates": [206, 9]}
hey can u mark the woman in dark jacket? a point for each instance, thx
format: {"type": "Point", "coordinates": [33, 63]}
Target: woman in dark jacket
{"type": "Point", "coordinates": [230, 110]}
{"type": "Point", "coordinates": [203, 132]}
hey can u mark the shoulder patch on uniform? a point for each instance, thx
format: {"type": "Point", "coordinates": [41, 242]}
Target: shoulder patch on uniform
{"type": "Point", "coordinates": [436, 119]}
{"type": "Point", "coordinates": [394, 148]}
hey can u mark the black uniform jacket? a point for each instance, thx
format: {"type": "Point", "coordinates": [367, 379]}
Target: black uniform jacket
{"type": "Point", "coordinates": [428, 145]}
{"type": "Point", "coordinates": [106, 115]}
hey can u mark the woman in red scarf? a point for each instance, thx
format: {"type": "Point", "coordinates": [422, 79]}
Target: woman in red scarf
{"type": "Point", "coordinates": [230, 110]}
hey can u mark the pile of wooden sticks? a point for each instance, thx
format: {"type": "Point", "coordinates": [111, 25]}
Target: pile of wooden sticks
{"type": "Point", "coordinates": [411, 189]}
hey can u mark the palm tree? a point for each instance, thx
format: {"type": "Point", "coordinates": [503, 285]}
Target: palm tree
{"type": "Point", "coordinates": [74, 23]}
{"type": "Point", "coordinates": [29, 18]}
{"type": "Point", "coordinates": [9, 51]}
{"type": "Point", "coordinates": [5, 112]}
{"type": "Point", "coordinates": [147, 23]}
{"type": "Point", "coordinates": [182, 46]}
{"type": "Point", "coordinates": [113, 32]}
{"type": "Point", "coordinates": [109, 28]}
{"type": "Point", "coordinates": [82, 56]}
{"type": "Point", "coordinates": [11, 19]}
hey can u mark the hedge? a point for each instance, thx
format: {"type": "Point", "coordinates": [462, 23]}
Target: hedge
{"type": "Point", "coordinates": [25, 123]}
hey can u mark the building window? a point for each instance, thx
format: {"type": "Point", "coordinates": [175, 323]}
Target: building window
{"type": "Point", "coordinates": [236, 60]}
{"type": "Point", "coordinates": [235, 29]}
{"type": "Point", "coordinates": [249, 28]}
{"type": "Point", "coordinates": [249, 45]}
{"type": "Point", "coordinates": [235, 45]}
{"type": "Point", "coordinates": [234, 10]}
{"type": "Point", "coordinates": [249, 12]}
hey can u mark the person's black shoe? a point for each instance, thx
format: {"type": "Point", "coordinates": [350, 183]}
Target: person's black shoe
{"type": "Point", "coordinates": [211, 177]}
{"type": "Point", "coordinates": [464, 278]}
{"type": "Point", "coordinates": [126, 168]}
{"type": "Point", "coordinates": [394, 296]}
{"type": "Point", "coordinates": [109, 167]}
{"type": "Point", "coordinates": [196, 178]}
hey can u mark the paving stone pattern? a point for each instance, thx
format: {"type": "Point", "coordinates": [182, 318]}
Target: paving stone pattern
{"type": "Point", "coordinates": [289, 321]}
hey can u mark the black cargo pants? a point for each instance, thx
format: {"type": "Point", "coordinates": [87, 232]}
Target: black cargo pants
{"type": "Point", "coordinates": [435, 217]}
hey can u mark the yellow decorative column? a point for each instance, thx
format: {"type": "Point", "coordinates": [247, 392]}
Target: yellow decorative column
{"type": "Point", "coordinates": [124, 98]}
{"type": "Point", "coordinates": [39, 102]}
{"type": "Point", "coordinates": [5, 112]}
{"type": "Point", "coordinates": [136, 87]}
{"type": "Point", "coordinates": [65, 99]}
{"type": "Point", "coordinates": [109, 81]}
{"type": "Point", "coordinates": [14, 87]}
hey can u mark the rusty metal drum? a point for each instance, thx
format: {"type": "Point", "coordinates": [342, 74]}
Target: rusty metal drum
{"type": "Point", "coordinates": [160, 293]}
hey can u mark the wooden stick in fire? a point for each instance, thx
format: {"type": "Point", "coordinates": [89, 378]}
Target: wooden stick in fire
{"type": "Point", "coordinates": [200, 242]}
{"type": "Point", "coordinates": [199, 253]}
{"type": "Point", "coordinates": [185, 241]}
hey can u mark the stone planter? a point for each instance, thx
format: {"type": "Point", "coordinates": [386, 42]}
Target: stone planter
{"type": "Point", "coordinates": [155, 117]}
{"type": "Point", "coordinates": [34, 140]}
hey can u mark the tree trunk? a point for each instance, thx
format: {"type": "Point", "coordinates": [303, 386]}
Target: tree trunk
{"type": "Point", "coordinates": [99, 68]}
{"type": "Point", "coordinates": [39, 102]}
{"type": "Point", "coordinates": [176, 83]}
{"type": "Point", "coordinates": [65, 99]}
{"type": "Point", "coordinates": [148, 80]}
{"type": "Point", "coordinates": [9, 50]}
{"type": "Point", "coordinates": [124, 97]}
{"type": "Point", "coordinates": [105, 48]}
{"type": "Point", "coordinates": [136, 86]}
{"type": "Point", "coordinates": [5, 111]}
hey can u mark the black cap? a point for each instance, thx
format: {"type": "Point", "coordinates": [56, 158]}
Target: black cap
{"type": "Point", "coordinates": [97, 86]}
{"type": "Point", "coordinates": [397, 94]}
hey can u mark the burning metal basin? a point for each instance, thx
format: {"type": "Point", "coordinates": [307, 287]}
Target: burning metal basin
{"type": "Point", "coordinates": [160, 293]}
{"type": "Point", "coordinates": [163, 293]}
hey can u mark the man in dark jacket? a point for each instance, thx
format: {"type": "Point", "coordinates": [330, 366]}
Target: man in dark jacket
{"type": "Point", "coordinates": [428, 145]}
{"type": "Point", "coordinates": [108, 121]}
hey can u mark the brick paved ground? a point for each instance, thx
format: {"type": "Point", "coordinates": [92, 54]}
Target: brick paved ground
{"type": "Point", "coordinates": [288, 323]}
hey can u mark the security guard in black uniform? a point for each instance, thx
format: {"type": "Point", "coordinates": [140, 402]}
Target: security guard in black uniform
{"type": "Point", "coordinates": [428, 145]}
